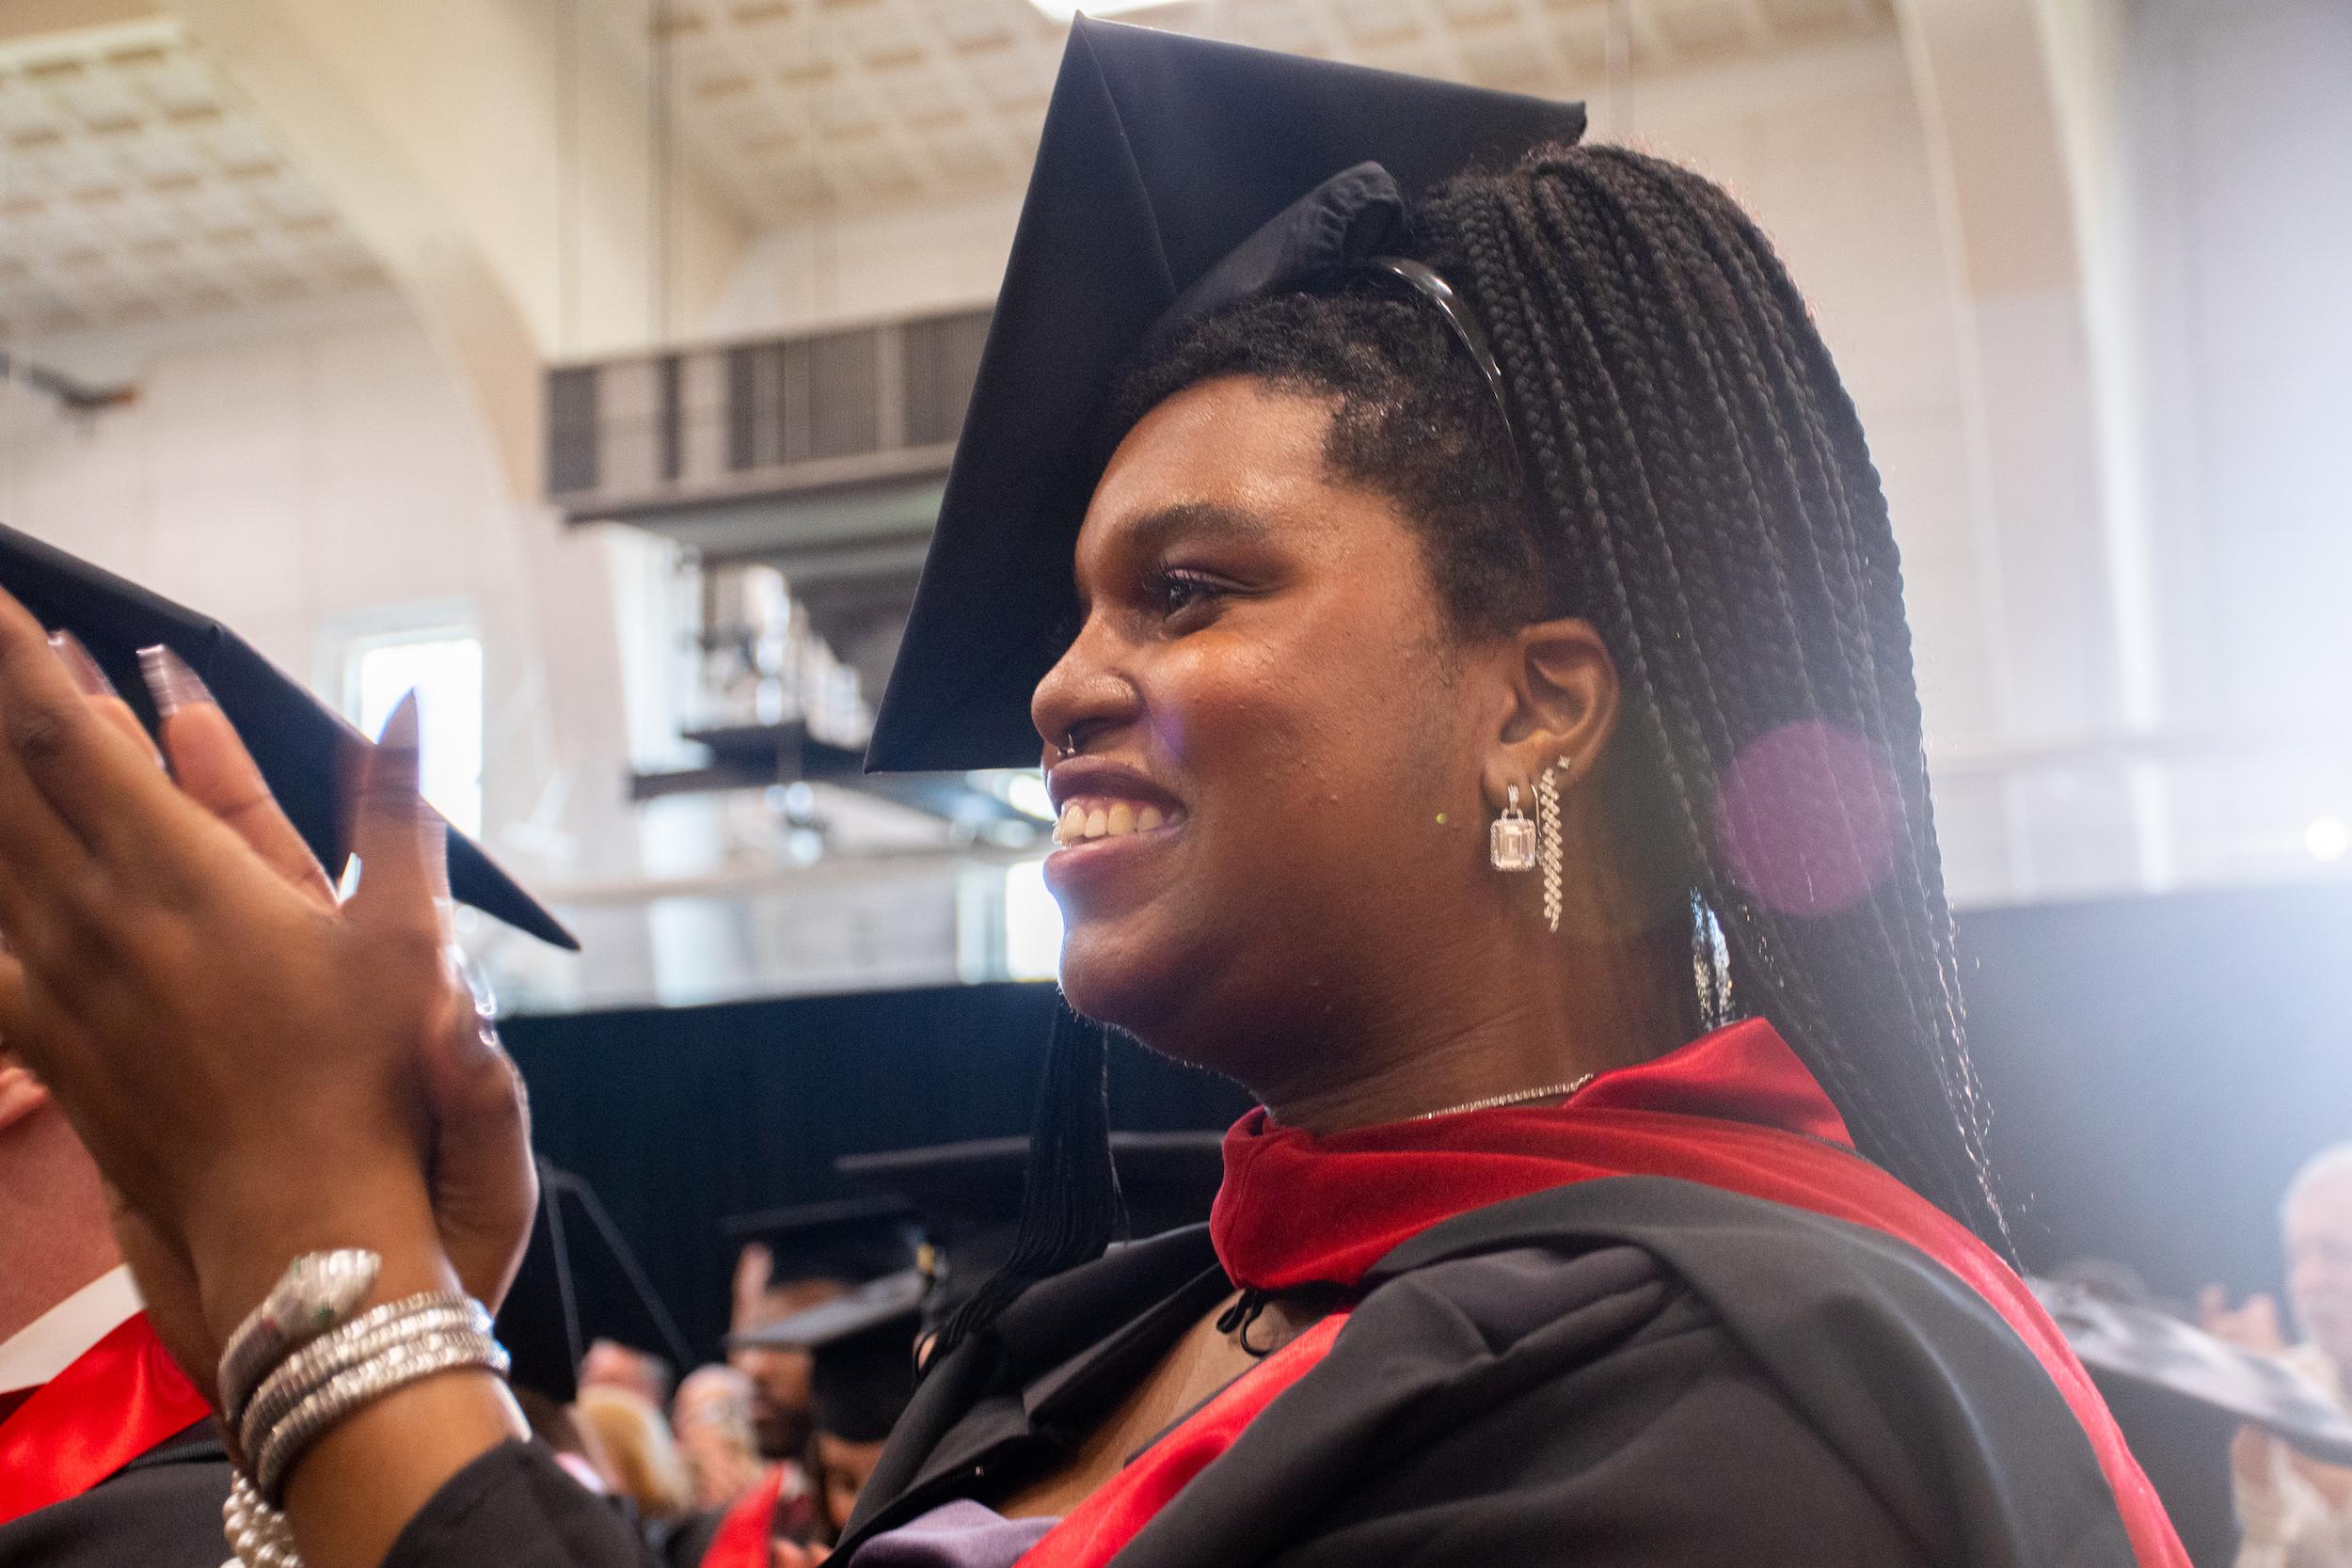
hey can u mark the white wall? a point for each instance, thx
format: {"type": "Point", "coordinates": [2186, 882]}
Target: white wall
{"type": "Point", "coordinates": [299, 473]}
{"type": "Point", "coordinates": [2240, 149]}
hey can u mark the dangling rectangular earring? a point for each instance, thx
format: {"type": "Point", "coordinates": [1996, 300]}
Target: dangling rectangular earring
{"type": "Point", "coordinates": [1510, 841]}
{"type": "Point", "coordinates": [1549, 853]}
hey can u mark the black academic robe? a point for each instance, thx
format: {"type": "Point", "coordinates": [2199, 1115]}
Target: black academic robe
{"type": "Point", "coordinates": [160, 1511]}
{"type": "Point", "coordinates": [1632, 1370]}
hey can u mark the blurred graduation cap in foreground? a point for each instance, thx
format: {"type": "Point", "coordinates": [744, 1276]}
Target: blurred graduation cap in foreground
{"type": "Point", "coordinates": [2180, 1395]}
{"type": "Point", "coordinates": [1161, 156]}
{"type": "Point", "coordinates": [306, 749]}
{"type": "Point", "coordinates": [579, 1283]}
{"type": "Point", "coordinates": [968, 1197]}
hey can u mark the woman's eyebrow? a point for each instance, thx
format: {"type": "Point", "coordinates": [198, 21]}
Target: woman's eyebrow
{"type": "Point", "coordinates": [1154, 531]}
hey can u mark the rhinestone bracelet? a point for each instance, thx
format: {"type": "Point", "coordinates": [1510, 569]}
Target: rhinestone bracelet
{"type": "Point", "coordinates": [347, 1391]}
{"type": "Point", "coordinates": [362, 1339]}
{"type": "Point", "coordinates": [315, 1294]}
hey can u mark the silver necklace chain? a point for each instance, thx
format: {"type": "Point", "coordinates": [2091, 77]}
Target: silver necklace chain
{"type": "Point", "coordinates": [1496, 1101]}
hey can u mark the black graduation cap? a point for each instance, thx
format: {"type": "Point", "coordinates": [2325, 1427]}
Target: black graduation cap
{"type": "Point", "coordinates": [306, 749]}
{"type": "Point", "coordinates": [578, 1283]}
{"type": "Point", "coordinates": [861, 1353]}
{"type": "Point", "coordinates": [2142, 1344]}
{"type": "Point", "coordinates": [851, 1240]}
{"type": "Point", "coordinates": [1160, 157]}
{"type": "Point", "coordinates": [968, 1197]}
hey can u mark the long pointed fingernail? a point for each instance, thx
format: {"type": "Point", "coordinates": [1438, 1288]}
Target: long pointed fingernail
{"type": "Point", "coordinates": [170, 682]}
{"type": "Point", "coordinates": [78, 663]}
{"type": "Point", "coordinates": [401, 729]}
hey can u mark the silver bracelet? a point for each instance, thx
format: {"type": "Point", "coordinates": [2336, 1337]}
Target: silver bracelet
{"type": "Point", "coordinates": [362, 1339]}
{"type": "Point", "coordinates": [348, 1391]}
{"type": "Point", "coordinates": [315, 1294]}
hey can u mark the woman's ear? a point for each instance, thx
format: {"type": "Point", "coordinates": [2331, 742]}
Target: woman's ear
{"type": "Point", "coordinates": [1565, 702]}
{"type": "Point", "coordinates": [20, 1093]}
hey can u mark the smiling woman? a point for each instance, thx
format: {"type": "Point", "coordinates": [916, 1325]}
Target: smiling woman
{"type": "Point", "coordinates": [1356, 465]}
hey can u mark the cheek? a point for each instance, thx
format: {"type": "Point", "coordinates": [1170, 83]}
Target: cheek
{"type": "Point", "coordinates": [1318, 758]}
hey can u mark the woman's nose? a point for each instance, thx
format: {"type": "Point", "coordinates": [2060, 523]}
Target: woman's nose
{"type": "Point", "coordinates": [1082, 692]}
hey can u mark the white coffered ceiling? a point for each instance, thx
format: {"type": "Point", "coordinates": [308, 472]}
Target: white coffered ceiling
{"type": "Point", "coordinates": [134, 189]}
{"type": "Point", "coordinates": [817, 105]}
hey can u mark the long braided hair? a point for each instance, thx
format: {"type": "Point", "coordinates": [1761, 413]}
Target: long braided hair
{"type": "Point", "coordinates": [1690, 475]}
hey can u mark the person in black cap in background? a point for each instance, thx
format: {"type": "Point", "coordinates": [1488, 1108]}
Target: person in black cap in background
{"type": "Point", "coordinates": [1466, 638]}
{"type": "Point", "coordinates": [860, 1348]}
{"type": "Point", "coordinates": [794, 1260]}
{"type": "Point", "coordinates": [863, 1348]}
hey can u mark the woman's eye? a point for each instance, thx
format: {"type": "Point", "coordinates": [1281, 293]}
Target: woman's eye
{"type": "Point", "coordinates": [1174, 591]}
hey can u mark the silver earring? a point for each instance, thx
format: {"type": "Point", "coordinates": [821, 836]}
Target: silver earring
{"type": "Point", "coordinates": [1547, 828]}
{"type": "Point", "coordinates": [1510, 841]}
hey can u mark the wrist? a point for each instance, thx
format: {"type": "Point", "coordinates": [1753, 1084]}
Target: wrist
{"type": "Point", "coordinates": [240, 1261]}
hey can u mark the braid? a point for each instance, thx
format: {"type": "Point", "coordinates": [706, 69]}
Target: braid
{"type": "Point", "coordinates": [1692, 451]}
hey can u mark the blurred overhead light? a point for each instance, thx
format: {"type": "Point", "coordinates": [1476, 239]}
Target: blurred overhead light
{"type": "Point", "coordinates": [1063, 11]}
{"type": "Point", "coordinates": [2328, 839]}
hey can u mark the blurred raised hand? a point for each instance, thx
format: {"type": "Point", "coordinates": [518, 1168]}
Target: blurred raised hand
{"type": "Point", "coordinates": [2251, 1326]}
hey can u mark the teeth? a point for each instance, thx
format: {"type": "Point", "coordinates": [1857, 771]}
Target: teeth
{"type": "Point", "coordinates": [1081, 821]}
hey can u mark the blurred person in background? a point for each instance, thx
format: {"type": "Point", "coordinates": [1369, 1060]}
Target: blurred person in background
{"type": "Point", "coordinates": [711, 1418]}
{"type": "Point", "coordinates": [2295, 1511]}
{"type": "Point", "coordinates": [556, 1426]}
{"type": "Point", "coordinates": [778, 1377]}
{"type": "Point", "coordinates": [609, 1363]}
{"type": "Point", "coordinates": [642, 1459]}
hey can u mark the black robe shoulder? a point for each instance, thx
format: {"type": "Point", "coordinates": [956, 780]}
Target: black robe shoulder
{"type": "Point", "coordinates": [1625, 1371]}
{"type": "Point", "coordinates": [160, 1511]}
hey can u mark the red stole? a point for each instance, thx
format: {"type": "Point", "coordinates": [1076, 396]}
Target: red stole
{"type": "Point", "coordinates": [119, 1398]}
{"type": "Point", "coordinates": [1734, 1109]}
{"type": "Point", "coordinates": [778, 1507]}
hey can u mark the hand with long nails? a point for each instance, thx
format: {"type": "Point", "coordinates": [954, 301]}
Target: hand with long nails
{"type": "Point", "coordinates": [248, 1061]}
{"type": "Point", "coordinates": [484, 1183]}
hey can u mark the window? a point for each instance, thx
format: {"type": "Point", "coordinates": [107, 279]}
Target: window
{"type": "Point", "coordinates": [443, 666]}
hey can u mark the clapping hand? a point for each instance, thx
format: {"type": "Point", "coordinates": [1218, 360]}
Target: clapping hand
{"type": "Point", "coordinates": [259, 1069]}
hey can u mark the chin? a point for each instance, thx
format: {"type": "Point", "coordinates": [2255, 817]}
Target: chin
{"type": "Point", "coordinates": [1130, 980]}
